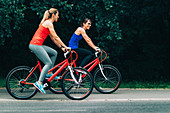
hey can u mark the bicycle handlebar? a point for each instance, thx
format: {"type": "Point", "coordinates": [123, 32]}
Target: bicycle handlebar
{"type": "Point", "coordinates": [101, 52]}
{"type": "Point", "coordinates": [70, 57]}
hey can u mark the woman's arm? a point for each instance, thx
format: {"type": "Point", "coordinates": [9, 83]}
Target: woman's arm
{"type": "Point", "coordinates": [88, 40]}
{"type": "Point", "coordinates": [55, 38]}
{"type": "Point", "coordinates": [61, 47]}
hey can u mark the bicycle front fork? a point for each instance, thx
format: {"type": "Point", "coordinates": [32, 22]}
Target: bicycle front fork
{"type": "Point", "coordinates": [101, 69]}
{"type": "Point", "coordinates": [72, 75]}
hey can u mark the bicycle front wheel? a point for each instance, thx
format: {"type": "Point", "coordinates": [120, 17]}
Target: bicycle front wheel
{"type": "Point", "coordinates": [108, 81]}
{"type": "Point", "coordinates": [16, 86]}
{"type": "Point", "coordinates": [80, 90]}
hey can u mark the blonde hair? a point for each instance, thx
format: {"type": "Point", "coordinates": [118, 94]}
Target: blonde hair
{"type": "Point", "coordinates": [48, 14]}
{"type": "Point", "coordinates": [52, 11]}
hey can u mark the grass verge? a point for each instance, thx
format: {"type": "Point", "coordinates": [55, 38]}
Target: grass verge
{"type": "Point", "coordinates": [2, 82]}
{"type": "Point", "coordinates": [146, 84]}
{"type": "Point", "coordinates": [133, 84]}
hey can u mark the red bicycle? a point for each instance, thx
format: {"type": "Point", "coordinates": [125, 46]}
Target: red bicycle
{"type": "Point", "coordinates": [107, 78]}
{"type": "Point", "coordinates": [76, 83]}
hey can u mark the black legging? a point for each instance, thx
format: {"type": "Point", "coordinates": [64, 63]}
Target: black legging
{"type": "Point", "coordinates": [84, 56]}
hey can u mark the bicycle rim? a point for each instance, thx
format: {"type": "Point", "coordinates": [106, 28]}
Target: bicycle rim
{"type": "Point", "coordinates": [77, 91]}
{"type": "Point", "coordinates": [17, 89]}
{"type": "Point", "coordinates": [56, 87]}
{"type": "Point", "coordinates": [109, 85]}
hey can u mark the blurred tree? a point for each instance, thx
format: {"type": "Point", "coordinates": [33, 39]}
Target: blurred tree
{"type": "Point", "coordinates": [11, 17]}
{"type": "Point", "coordinates": [135, 34]}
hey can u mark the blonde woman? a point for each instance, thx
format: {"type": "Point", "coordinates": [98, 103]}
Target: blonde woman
{"type": "Point", "coordinates": [46, 54]}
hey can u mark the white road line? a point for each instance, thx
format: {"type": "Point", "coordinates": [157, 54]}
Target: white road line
{"type": "Point", "coordinates": [92, 100]}
{"type": "Point", "coordinates": [132, 99]}
{"type": "Point", "coordinates": [41, 110]}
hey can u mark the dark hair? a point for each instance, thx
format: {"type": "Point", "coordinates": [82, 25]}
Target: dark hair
{"type": "Point", "coordinates": [84, 21]}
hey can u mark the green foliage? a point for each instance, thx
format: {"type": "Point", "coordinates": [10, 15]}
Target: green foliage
{"type": "Point", "coordinates": [104, 15]}
{"type": "Point", "coordinates": [11, 17]}
{"type": "Point", "coordinates": [145, 30]}
{"type": "Point", "coordinates": [134, 33]}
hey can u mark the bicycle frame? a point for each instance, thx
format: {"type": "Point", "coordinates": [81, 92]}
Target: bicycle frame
{"type": "Point", "coordinates": [63, 65]}
{"type": "Point", "coordinates": [93, 64]}
{"type": "Point", "coordinates": [31, 71]}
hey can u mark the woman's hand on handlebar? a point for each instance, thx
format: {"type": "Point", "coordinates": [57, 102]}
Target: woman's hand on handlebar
{"type": "Point", "coordinates": [65, 49]}
{"type": "Point", "coordinates": [97, 49]}
{"type": "Point", "coordinates": [68, 49]}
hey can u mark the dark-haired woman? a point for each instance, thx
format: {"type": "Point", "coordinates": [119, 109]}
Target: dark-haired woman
{"type": "Point", "coordinates": [83, 54]}
{"type": "Point", "coordinates": [46, 54]}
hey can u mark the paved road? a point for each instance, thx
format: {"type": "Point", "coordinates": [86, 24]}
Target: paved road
{"type": "Point", "coordinates": [122, 101]}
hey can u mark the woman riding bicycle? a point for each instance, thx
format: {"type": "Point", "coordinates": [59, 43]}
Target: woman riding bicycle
{"type": "Point", "coordinates": [46, 54]}
{"type": "Point", "coordinates": [80, 33]}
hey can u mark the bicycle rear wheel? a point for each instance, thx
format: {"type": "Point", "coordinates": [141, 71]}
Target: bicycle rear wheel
{"type": "Point", "coordinates": [78, 91]}
{"type": "Point", "coordinates": [109, 84]}
{"type": "Point", "coordinates": [16, 86]}
{"type": "Point", "coordinates": [56, 86]}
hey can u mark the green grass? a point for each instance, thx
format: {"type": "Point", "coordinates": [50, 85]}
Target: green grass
{"type": "Point", "coordinates": [146, 84]}
{"type": "Point", "coordinates": [133, 84]}
{"type": "Point", "coordinates": [2, 82]}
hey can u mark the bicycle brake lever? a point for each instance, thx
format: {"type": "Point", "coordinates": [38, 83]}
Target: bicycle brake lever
{"type": "Point", "coordinates": [98, 51]}
{"type": "Point", "coordinates": [66, 53]}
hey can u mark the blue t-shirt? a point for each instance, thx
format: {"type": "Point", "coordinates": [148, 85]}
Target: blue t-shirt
{"type": "Point", "coordinates": [73, 43]}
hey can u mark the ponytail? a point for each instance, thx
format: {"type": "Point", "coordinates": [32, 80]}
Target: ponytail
{"type": "Point", "coordinates": [48, 14]}
{"type": "Point", "coordinates": [45, 17]}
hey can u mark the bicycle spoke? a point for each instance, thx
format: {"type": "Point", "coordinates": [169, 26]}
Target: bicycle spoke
{"type": "Point", "coordinates": [15, 77]}
{"type": "Point", "coordinates": [77, 91]}
{"type": "Point", "coordinates": [16, 88]}
{"type": "Point", "coordinates": [110, 84]}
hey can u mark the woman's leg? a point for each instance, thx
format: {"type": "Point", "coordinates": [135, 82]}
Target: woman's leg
{"type": "Point", "coordinates": [52, 53]}
{"type": "Point", "coordinates": [40, 52]}
{"type": "Point", "coordinates": [85, 56]}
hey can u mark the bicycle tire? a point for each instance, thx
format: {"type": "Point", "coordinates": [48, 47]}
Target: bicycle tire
{"type": "Point", "coordinates": [77, 91]}
{"type": "Point", "coordinates": [109, 85]}
{"type": "Point", "coordinates": [15, 88]}
{"type": "Point", "coordinates": [55, 85]}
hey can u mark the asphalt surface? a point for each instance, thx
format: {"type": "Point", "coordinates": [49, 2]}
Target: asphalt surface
{"type": "Point", "coordinates": [122, 101]}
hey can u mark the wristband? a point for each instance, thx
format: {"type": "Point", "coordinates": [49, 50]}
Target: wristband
{"type": "Point", "coordinates": [61, 47]}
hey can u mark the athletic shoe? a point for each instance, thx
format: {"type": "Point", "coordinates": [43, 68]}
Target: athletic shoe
{"type": "Point", "coordinates": [49, 75]}
{"type": "Point", "coordinates": [39, 87]}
